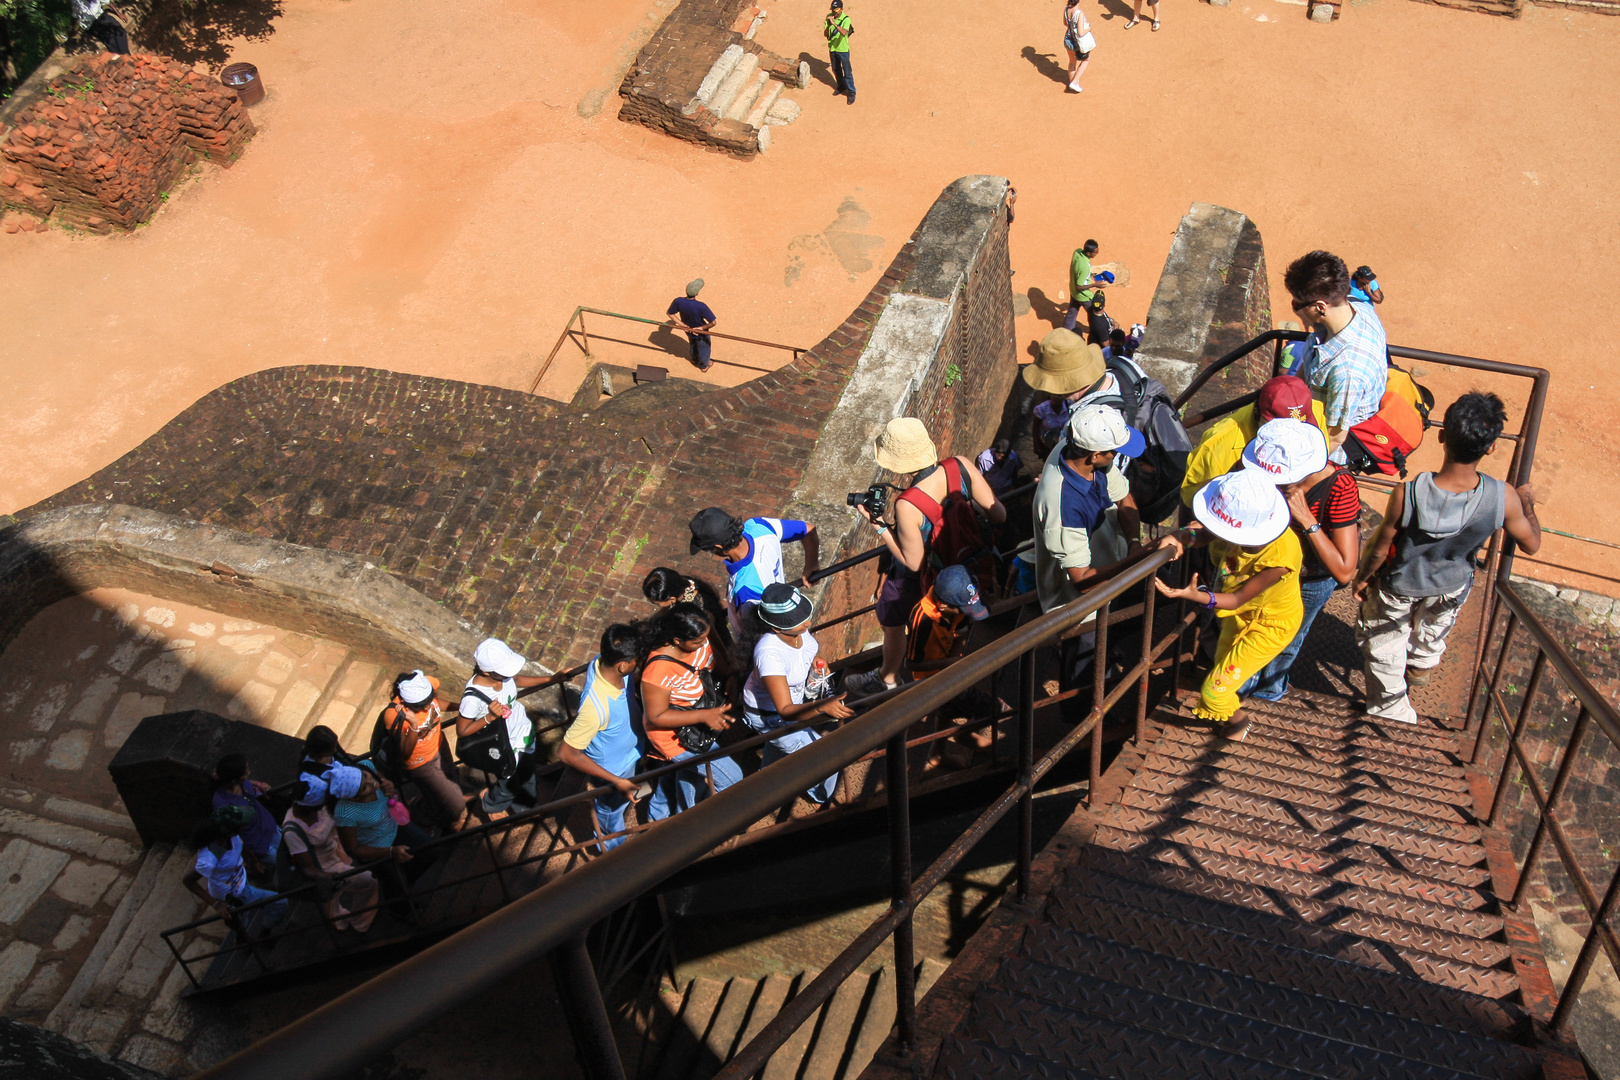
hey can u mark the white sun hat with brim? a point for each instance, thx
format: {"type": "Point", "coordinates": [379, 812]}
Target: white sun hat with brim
{"type": "Point", "coordinates": [904, 446]}
{"type": "Point", "coordinates": [1286, 451]}
{"type": "Point", "coordinates": [496, 657]}
{"type": "Point", "coordinates": [1243, 507]}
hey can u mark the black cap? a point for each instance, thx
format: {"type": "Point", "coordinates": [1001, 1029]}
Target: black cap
{"type": "Point", "coordinates": [711, 528]}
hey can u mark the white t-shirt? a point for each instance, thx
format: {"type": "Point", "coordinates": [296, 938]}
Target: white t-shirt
{"type": "Point", "coordinates": [224, 873]}
{"type": "Point", "coordinates": [519, 729]}
{"type": "Point", "coordinates": [773, 656]}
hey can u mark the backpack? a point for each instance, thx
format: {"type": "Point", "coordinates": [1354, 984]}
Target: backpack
{"type": "Point", "coordinates": [287, 875]}
{"type": "Point", "coordinates": [1383, 442]}
{"type": "Point", "coordinates": [386, 754]}
{"type": "Point", "coordinates": [489, 749]}
{"type": "Point", "coordinates": [696, 738]}
{"type": "Point", "coordinates": [1155, 477]}
{"type": "Point", "coordinates": [959, 537]}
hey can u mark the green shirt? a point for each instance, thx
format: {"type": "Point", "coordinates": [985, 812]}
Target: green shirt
{"type": "Point", "coordinates": [837, 30]}
{"type": "Point", "coordinates": [1080, 276]}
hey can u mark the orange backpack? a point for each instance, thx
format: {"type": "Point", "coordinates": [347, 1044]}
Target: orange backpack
{"type": "Point", "coordinates": [1383, 441]}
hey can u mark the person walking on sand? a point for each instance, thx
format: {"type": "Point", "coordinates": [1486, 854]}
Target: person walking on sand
{"type": "Point", "coordinates": [694, 316]}
{"type": "Point", "coordinates": [1078, 39]}
{"type": "Point", "coordinates": [1153, 14]}
{"type": "Point", "coordinates": [837, 30]}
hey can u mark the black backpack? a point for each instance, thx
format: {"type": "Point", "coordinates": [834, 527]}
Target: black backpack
{"type": "Point", "coordinates": [287, 875]}
{"type": "Point", "coordinates": [1156, 475]}
{"type": "Point", "coordinates": [386, 757]}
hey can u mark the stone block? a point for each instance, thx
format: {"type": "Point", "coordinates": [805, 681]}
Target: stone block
{"type": "Point", "coordinates": [101, 1028]}
{"type": "Point", "coordinates": [75, 930]}
{"type": "Point", "coordinates": [16, 966]}
{"type": "Point", "coordinates": [44, 920]}
{"type": "Point", "coordinates": [166, 670]}
{"type": "Point", "coordinates": [26, 871]}
{"type": "Point", "coordinates": [784, 111]}
{"type": "Point", "coordinates": [254, 703]}
{"type": "Point", "coordinates": [295, 707]}
{"type": "Point", "coordinates": [131, 709]}
{"type": "Point", "coordinates": [68, 837]}
{"type": "Point", "coordinates": [151, 1053]}
{"type": "Point", "coordinates": [93, 702]}
{"type": "Point", "coordinates": [718, 72]}
{"type": "Point", "coordinates": [804, 75]}
{"type": "Point", "coordinates": [1595, 603]}
{"type": "Point", "coordinates": [95, 817]}
{"type": "Point", "coordinates": [48, 706]}
{"type": "Point", "coordinates": [170, 1016]}
{"type": "Point", "coordinates": [83, 883]}
{"type": "Point", "coordinates": [1321, 13]}
{"type": "Point", "coordinates": [45, 989]}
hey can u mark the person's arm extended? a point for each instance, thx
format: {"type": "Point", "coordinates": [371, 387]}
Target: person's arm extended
{"type": "Point", "coordinates": [1373, 558]}
{"type": "Point", "coordinates": [193, 882]}
{"type": "Point", "coordinates": [782, 698]}
{"type": "Point", "coordinates": [1520, 518]}
{"type": "Point", "coordinates": [984, 496]}
{"type": "Point", "coordinates": [349, 836]}
{"type": "Point", "coordinates": [1250, 589]}
{"type": "Point", "coordinates": [811, 542]}
{"type": "Point", "coordinates": [580, 761]}
{"type": "Point", "coordinates": [1337, 549]}
{"type": "Point", "coordinates": [656, 711]}
{"type": "Point", "coordinates": [1130, 521]}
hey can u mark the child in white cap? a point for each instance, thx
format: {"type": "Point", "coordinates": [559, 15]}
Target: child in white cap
{"type": "Point", "coordinates": [1256, 590]}
{"type": "Point", "coordinates": [492, 696]}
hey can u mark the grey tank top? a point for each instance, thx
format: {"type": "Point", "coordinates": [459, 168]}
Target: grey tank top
{"type": "Point", "coordinates": [1440, 531]}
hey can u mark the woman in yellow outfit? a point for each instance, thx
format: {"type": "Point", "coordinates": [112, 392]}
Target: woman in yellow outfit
{"type": "Point", "coordinates": [1244, 520]}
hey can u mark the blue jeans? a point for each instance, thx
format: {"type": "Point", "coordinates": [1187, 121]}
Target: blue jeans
{"type": "Point", "coordinates": [685, 788]}
{"type": "Point", "coordinates": [701, 344]}
{"type": "Point", "coordinates": [780, 747]}
{"type": "Point", "coordinates": [1271, 684]}
{"type": "Point", "coordinates": [610, 811]}
{"type": "Point", "coordinates": [267, 917]}
{"type": "Point", "coordinates": [843, 76]}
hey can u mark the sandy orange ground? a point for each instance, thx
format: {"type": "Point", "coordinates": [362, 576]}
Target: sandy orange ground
{"type": "Point", "coordinates": [434, 188]}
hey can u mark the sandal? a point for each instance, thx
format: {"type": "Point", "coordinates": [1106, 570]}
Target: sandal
{"type": "Point", "coordinates": [1132, 23]}
{"type": "Point", "coordinates": [1155, 25]}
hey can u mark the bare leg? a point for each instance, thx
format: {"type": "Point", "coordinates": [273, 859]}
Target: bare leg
{"type": "Point", "coordinates": [1074, 68]}
{"type": "Point", "coordinates": [894, 652]}
{"type": "Point", "coordinates": [1136, 15]}
{"type": "Point", "coordinates": [1153, 8]}
{"type": "Point", "coordinates": [1075, 82]}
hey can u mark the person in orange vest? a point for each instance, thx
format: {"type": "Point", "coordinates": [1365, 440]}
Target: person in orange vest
{"type": "Point", "coordinates": [413, 718]}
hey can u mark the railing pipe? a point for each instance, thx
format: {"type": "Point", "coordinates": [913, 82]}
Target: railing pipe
{"type": "Point", "coordinates": [1099, 679]}
{"type": "Point", "coordinates": [1026, 762]}
{"type": "Point", "coordinates": [588, 1022]}
{"type": "Point", "coordinates": [1494, 819]}
{"type": "Point", "coordinates": [1585, 958]}
{"type": "Point", "coordinates": [905, 988]}
{"type": "Point", "coordinates": [1554, 793]}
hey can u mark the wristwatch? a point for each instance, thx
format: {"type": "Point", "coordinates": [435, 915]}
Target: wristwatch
{"type": "Point", "coordinates": [1316, 528]}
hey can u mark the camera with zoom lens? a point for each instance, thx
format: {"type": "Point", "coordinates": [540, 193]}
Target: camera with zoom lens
{"type": "Point", "coordinates": [874, 498]}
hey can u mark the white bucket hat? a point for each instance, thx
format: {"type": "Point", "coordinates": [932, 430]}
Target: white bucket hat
{"type": "Point", "coordinates": [1243, 507]}
{"type": "Point", "coordinates": [1286, 451]}
{"type": "Point", "coordinates": [904, 447]}
{"type": "Point", "coordinates": [415, 690]}
{"type": "Point", "coordinates": [496, 657]}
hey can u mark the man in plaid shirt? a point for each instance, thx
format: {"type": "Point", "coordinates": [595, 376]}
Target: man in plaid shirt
{"type": "Point", "coordinates": [1345, 361]}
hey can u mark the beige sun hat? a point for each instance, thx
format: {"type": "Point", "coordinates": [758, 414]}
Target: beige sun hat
{"type": "Point", "coordinates": [904, 446]}
{"type": "Point", "coordinates": [1066, 364]}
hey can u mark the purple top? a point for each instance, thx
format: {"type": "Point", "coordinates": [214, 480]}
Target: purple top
{"type": "Point", "coordinates": [260, 837]}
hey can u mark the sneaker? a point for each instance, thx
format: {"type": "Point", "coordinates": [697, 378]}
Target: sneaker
{"type": "Point", "coordinates": [1418, 676]}
{"type": "Point", "coordinates": [865, 684]}
{"type": "Point", "coordinates": [1073, 89]}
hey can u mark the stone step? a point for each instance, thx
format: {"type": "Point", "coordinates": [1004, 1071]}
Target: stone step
{"type": "Point", "coordinates": [717, 73]}
{"type": "Point", "coordinates": [762, 104]}
{"type": "Point", "coordinates": [697, 1008]}
{"type": "Point", "coordinates": [734, 82]}
{"type": "Point", "coordinates": [743, 103]}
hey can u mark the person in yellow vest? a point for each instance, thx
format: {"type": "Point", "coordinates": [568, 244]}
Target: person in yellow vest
{"type": "Point", "coordinates": [838, 30]}
{"type": "Point", "coordinates": [1221, 447]}
{"type": "Point", "coordinates": [1255, 595]}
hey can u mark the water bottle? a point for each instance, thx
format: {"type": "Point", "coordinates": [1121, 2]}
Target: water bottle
{"type": "Point", "coordinates": [819, 681]}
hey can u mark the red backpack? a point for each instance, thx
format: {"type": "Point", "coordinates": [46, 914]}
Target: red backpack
{"type": "Point", "coordinates": [959, 537]}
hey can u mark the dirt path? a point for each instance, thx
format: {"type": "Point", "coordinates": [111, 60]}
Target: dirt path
{"type": "Point", "coordinates": [434, 191]}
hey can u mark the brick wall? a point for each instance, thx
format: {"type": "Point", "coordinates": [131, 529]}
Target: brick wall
{"type": "Point", "coordinates": [660, 89]}
{"type": "Point", "coordinates": [538, 521]}
{"type": "Point", "coordinates": [108, 140]}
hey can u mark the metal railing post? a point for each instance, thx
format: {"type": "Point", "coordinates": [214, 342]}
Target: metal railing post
{"type": "Point", "coordinates": [905, 972]}
{"type": "Point", "coordinates": [587, 337]}
{"type": "Point", "coordinates": [1587, 955]}
{"type": "Point", "coordinates": [1148, 600]}
{"type": "Point", "coordinates": [1026, 765]}
{"type": "Point", "coordinates": [1554, 793]}
{"type": "Point", "coordinates": [1495, 816]}
{"type": "Point", "coordinates": [1099, 680]}
{"type": "Point", "coordinates": [1490, 696]}
{"type": "Point", "coordinates": [587, 1015]}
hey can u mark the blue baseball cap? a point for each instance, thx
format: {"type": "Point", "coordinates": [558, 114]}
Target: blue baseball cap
{"type": "Point", "coordinates": [956, 587]}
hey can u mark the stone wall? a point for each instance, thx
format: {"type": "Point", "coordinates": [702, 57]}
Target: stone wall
{"type": "Point", "coordinates": [673, 84]}
{"type": "Point", "coordinates": [537, 521]}
{"type": "Point", "coordinates": [105, 144]}
{"type": "Point", "coordinates": [60, 553]}
{"type": "Point", "coordinates": [1211, 298]}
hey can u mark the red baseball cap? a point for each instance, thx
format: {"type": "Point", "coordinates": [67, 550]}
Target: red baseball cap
{"type": "Point", "coordinates": [1285, 397]}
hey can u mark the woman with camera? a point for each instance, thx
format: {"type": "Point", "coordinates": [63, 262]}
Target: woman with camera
{"type": "Point", "coordinates": [683, 706]}
{"type": "Point", "coordinates": [904, 448]}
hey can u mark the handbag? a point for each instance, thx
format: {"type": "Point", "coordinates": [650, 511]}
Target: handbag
{"type": "Point", "coordinates": [1087, 43]}
{"type": "Point", "coordinates": [697, 738]}
{"type": "Point", "coordinates": [489, 749]}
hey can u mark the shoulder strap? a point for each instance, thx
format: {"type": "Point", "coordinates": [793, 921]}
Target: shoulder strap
{"type": "Point", "coordinates": [299, 829]}
{"type": "Point", "coordinates": [477, 693]}
{"type": "Point", "coordinates": [926, 504]}
{"type": "Point", "coordinates": [672, 660]}
{"type": "Point", "coordinates": [1408, 509]}
{"type": "Point", "coordinates": [955, 481]}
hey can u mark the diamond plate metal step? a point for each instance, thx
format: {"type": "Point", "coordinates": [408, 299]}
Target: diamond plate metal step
{"type": "Point", "coordinates": [1427, 783]}
{"type": "Point", "coordinates": [1358, 866]}
{"type": "Point", "coordinates": [1480, 952]}
{"type": "Point", "coordinates": [1177, 778]}
{"type": "Point", "coordinates": [1190, 762]}
{"type": "Point", "coordinates": [1266, 731]}
{"type": "Point", "coordinates": [1392, 734]}
{"type": "Point", "coordinates": [1314, 828]}
{"type": "Point", "coordinates": [1280, 965]}
{"type": "Point", "coordinates": [1378, 954]}
{"type": "Point", "coordinates": [965, 1059]}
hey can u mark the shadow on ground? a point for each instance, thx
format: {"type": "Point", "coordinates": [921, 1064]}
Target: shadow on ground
{"type": "Point", "coordinates": [199, 31]}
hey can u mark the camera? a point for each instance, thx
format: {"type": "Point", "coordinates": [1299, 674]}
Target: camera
{"type": "Point", "coordinates": [874, 498]}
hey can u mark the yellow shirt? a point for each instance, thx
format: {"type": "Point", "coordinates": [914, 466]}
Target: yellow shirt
{"type": "Point", "coordinates": [1222, 447]}
{"type": "Point", "coordinates": [1235, 565]}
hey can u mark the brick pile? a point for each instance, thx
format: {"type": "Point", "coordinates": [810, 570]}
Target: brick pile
{"type": "Point", "coordinates": [101, 148]}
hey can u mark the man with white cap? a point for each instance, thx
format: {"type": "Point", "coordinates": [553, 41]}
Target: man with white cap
{"type": "Point", "coordinates": [1256, 589]}
{"type": "Point", "coordinates": [917, 540]}
{"type": "Point", "coordinates": [694, 316]}
{"type": "Point", "coordinates": [490, 696]}
{"type": "Point", "coordinates": [1325, 507]}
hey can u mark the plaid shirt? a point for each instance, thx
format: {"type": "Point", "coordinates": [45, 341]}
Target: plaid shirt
{"type": "Point", "coordinates": [1348, 371]}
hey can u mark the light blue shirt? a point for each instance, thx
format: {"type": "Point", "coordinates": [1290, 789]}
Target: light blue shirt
{"type": "Point", "coordinates": [1349, 371]}
{"type": "Point", "coordinates": [1363, 295]}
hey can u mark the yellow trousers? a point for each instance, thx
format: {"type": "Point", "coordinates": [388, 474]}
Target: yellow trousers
{"type": "Point", "coordinates": [1249, 641]}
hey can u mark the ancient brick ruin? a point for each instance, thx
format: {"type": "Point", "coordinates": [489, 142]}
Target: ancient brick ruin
{"type": "Point", "coordinates": [106, 143]}
{"type": "Point", "coordinates": [704, 78]}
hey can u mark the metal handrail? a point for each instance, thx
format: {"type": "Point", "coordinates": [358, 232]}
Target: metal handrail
{"type": "Point", "coordinates": [348, 1031]}
{"type": "Point", "coordinates": [579, 316]}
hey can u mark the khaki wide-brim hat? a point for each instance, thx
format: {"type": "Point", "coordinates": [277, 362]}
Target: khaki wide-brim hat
{"type": "Point", "coordinates": [904, 446]}
{"type": "Point", "coordinates": [1066, 364]}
